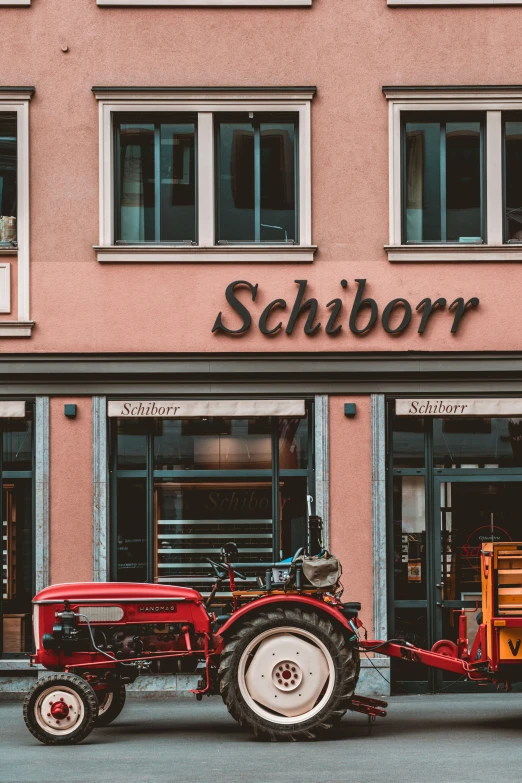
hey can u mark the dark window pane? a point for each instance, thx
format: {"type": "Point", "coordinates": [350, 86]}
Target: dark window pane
{"type": "Point", "coordinates": [477, 443]}
{"type": "Point", "coordinates": [409, 538]}
{"type": "Point", "coordinates": [8, 210]}
{"type": "Point", "coordinates": [408, 441]}
{"type": "Point", "coordinates": [412, 626]}
{"type": "Point", "coordinates": [17, 565]}
{"type": "Point", "coordinates": [277, 182]}
{"type": "Point", "coordinates": [194, 518]}
{"type": "Point", "coordinates": [131, 437]}
{"type": "Point", "coordinates": [213, 444]}
{"type": "Point", "coordinates": [17, 440]}
{"type": "Point", "coordinates": [513, 179]}
{"type": "Point", "coordinates": [178, 189]}
{"type": "Point", "coordinates": [256, 179]}
{"type": "Point", "coordinates": [423, 220]}
{"type": "Point", "coordinates": [136, 186]}
{"type": "Point", "coordinates": [293, 504]}
{"type": "Point", "coordinates": [293, 444]}
{"type": "Point", "coordinates": [156, 181]}
{"type": "Point", "coordinates": [131, 547]}
{"type": "Point", "coordinates": [236, 182]}
{"type": "Point", "coordinates": [443, 179]}
{"type": "Point", "coordinates": [463, 186]}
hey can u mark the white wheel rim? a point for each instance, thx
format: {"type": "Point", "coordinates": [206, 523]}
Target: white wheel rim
{"type": "Point", "coordinates": [59, 711]}
{"type": "Point", "coordinates": [105, 703]}
{"type": "Point", "coordinates": [289, 698]}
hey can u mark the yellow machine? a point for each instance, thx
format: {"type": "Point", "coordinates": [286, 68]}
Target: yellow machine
{"type": "Point", "coordinates": [502, 602]}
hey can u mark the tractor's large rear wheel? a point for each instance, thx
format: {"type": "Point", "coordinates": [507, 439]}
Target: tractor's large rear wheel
{"type": "Point", "coordinates": [288, 674]}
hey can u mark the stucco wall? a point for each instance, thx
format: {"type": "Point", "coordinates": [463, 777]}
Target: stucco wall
{"type": "Point", "coordinates": [348, 50]}
{"type": "Point", "coordinates": [71, 492]}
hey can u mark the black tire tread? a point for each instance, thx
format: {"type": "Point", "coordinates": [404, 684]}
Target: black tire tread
{"type": "Point", "coordinates": [118, 703]}
{"type": "Point", "coordinates": [347, 663]}
{"type": "Point", "coordinates": [90, 702]}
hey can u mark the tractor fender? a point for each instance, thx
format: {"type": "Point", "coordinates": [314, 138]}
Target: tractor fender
{"type": "Point", "coordinates": [270, 601]}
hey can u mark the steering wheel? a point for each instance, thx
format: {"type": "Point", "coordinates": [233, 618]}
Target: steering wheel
{"type": "Point", "coordinates": [221, 572]}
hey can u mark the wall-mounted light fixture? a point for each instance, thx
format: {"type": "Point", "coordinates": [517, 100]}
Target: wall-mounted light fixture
{"type": "Point", "coordinates": [70, 410]}
{"type": "Point", "coordinates": [349, 409]}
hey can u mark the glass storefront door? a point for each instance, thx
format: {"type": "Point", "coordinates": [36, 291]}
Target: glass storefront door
{"type": "Point", "coordinates": [453, 486]}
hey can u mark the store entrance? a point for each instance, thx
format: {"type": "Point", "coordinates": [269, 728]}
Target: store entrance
{"type": "Point", "coordinates": [439, 570]}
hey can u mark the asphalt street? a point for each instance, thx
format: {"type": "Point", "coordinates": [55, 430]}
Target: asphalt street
{"type": "Point", "coordinates": [432, 739]}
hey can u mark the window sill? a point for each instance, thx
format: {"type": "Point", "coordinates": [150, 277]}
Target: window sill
{"type": "Point", "coordinates": [454, 2]}
{"type": "Point", "coordinates": [8, 251]}
{"type": "Point", "coordinates": [15, 2]}
{"type": "Point", "coordinates": [222, 254]}
{"type": "Point", "coordinates": [454, 253]}
{"type": "Point", "coordinates": [222, 3]}
{"type": "Point", "coordinates": [16, 328]}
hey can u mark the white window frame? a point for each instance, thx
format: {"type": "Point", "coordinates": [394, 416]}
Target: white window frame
{"type": "Point", "coordinates": [205, 102]}
{"type": "Point", "coordinates": [493, 101]}
{"type": "Point", "coordinates": [15, 2]}
{"type": "Point", "coordinates": [15, 100]}
{"type": "Point", "coordinates": [222, 3]}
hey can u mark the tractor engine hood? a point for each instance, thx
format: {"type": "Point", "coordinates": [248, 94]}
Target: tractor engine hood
{"type": "Point", "coordinates": [114, 591]}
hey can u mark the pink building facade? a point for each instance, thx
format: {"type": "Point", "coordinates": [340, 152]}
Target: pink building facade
{"type": "Point", "coordinates": [225, 308]}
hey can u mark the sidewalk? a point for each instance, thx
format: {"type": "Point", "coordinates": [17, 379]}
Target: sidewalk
{"type": "Point", "coordinates": [433, 739]}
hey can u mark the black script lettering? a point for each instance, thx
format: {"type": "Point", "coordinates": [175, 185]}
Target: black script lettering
{"type": "Point", "coordinates": [263, 328]}
{"type": "Point", "coordinates": [388, 310]}
{"type": "Point", "coordinates": [126, 408]}
{"type": "Point", "coordinates": [301, 307]}
{"type": "Point", "coordinates": [427, 309]}
{"type": "Point", "coordinates": [337, 307]}
{"type": "Point", "coordinates": [460, 309]}
{"type": "Point", "coordinates": [238, 307]}
{"type": "Point", "coordinates": [358, 305]}
{"type": "Point", "coordinates": [212, 497]}
{"type": "Point", "coordinates": [413, 406]}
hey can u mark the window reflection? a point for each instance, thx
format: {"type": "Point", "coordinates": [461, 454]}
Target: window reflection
{"type": "Point", "coordinates": [8, 177]}
{"type": "Point", "coordinates": [256, 178]}
{"type": "Point", "coordinates": [477, 442]}
{"type": "Point", "coordinates": [443, 179]}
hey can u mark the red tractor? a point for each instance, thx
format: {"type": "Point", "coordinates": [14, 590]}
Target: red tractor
{"type": "Point", "coordinates": [285, 658]}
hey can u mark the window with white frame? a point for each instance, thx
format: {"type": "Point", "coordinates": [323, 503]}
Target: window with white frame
{"type": "Point", "coordinates": [15, 2]}
{"type": "Point", "coordinates": [455, 173]}
{"type": "Point", "coordinates": [14, 209]}
{"type": "Point", "coordinates": [205, 175]}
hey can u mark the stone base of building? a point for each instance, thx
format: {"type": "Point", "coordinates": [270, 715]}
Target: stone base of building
{"type": "Point", "coordinates": [14, 685]}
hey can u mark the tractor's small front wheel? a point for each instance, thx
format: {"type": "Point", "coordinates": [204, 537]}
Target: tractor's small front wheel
{"type": "Point", "coordinates": [288, 674]}
{"type": "Point", "coordinates": [61, 709]}
{"type": "Point", "coordinates": [110, 703]}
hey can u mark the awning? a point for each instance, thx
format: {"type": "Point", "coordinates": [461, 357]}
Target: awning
{"type": "Point", "coordinates": [12, 409]}
{"type": "Point", "coordinates": [465, 406]}
{"type": "Point", "coordinates": [203, 409]}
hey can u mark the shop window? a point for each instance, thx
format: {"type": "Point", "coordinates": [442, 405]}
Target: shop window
{"type": "Point", "coordinates": [16, 511]}
{"type": "Point", "coordinates": [183, 181]}
{"type": "Point", "coordinates": [185, 487]}
{"type": "Point", "coordinates": [455, 174]}
{"type": "Point", "coordinates": [408, 441]}
{"type": "Point", "coordinates": [477, 443]}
